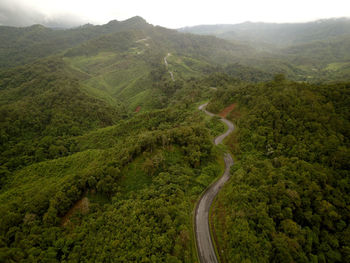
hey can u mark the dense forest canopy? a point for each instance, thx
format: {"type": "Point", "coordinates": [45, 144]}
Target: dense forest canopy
{"type": "Point", "coordinates": [313, 51]}
{"type": "Point", "coordinates": [288, 197]}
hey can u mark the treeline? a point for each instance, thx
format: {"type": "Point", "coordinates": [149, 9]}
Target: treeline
{"type": "Point", "coordinates": [289, 193]}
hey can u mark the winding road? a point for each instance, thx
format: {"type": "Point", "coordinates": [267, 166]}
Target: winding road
{"type": "Point", "coordinates": [166, 65]}
{"type": "Point", "coordinates": [205, 246]}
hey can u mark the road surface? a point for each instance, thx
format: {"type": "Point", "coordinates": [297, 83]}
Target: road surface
{"type": "Point", "coordinates": [166, 65]}
{"type": "Point", "coordinates": [205, 246]}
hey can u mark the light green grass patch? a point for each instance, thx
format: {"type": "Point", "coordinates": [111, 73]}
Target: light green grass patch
{"type": "Point", "coordinates": [336, 66]}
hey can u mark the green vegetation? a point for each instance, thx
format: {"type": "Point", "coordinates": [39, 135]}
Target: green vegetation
{"type": "Point", "coordinates": [301, 51]}
{"type": "Point", "coordinates": [270, 34]}
{"type": "Point", "coordinates": [287, 200]}
{"type": "Point", "coordinates": [158, 165]}
{"type": "Point", "coordinates": [102, 155]}
{"type": "Point", "coordinates": [40, 106]}
{"type": "Point", "coordinates": [24, 45]}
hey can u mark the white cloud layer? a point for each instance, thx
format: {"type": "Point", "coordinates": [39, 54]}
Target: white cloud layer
{"type": "Point", "coordinates": [171, 14]}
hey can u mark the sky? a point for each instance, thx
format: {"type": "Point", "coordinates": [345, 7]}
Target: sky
{"type": "Point", "coordinates": [171, 14]}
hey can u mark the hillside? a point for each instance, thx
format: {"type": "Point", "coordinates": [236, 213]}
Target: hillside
{"type": "Point", "coordinates": [95, 84]}
{"type": "Point", "coordinates": [103, 155]}
{"type": "Point", "coordinates": [40, 105]}
{"type": "Point", "coordinates": [71, 136]}
{"type": "Point", "coordinates": [20, 45]}
{"type": "Point", "coordinates": [280, 35]}
{"type": "Point", "coordinates": [287, 199]}
{"type": "Point", "coordinates": [155, 164]}
{"type": "Point", "coordinates": [314, 51]}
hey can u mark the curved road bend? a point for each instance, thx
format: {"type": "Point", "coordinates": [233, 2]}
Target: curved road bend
{"type": "Point", "coordinates": [205, 246]}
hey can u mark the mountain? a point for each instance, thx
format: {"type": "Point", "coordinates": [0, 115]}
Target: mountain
{"type": "Point", "coordinates": [281, 35]}
{"type": "Point", "coordinates": [292, 147]}
{"type": "Point", "coordinates": [303, 51]}
{"type": "Point", "coordinates": [19, 45]}
{"type": "Point", "coordinates": [86, 132]}
{"type": "Point", "coordinates": [104, 153]}
{"type": "Point", "coordinates": [118, 68]}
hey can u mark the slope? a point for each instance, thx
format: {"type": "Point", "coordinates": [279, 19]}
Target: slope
{"type": "Point", "coordinates": [281, 35]}
{"type": "Point", "coordinates": [42, 103]}
{"type": "Point", "coordinates": [144, 183]}
{"type": "Point", "coordinates": [23, 45]}
{"type": "Point", "coordinates": [287, 197]}
{"type": "Point", "coordinates": [314, 51]}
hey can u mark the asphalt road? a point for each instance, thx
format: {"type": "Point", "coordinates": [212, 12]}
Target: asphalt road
{"type": "Point", "coordinates": [166, 65]}
{"type": "Point", "coordinates": [205, 246]}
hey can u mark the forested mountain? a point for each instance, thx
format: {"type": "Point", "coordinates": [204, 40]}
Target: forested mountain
{"type": "Point", "coordinates": [311, 51]}
{"type": "Point", "coordinates": [283, 35]}
{"type": "Point", "coordinates": [288, 197]}
{"type": "Point", "coordinates": [82, 141]}
{"type": "Point", "coordinates": [320, 52]}
{"type": "Point", "coordinates": [103, 152]}
{"type": "Point", "coordinates": [41, 103]}
{"type": "Point", "coordinates": [25, 44]}
{"type": "Point", "coordinates": [97, 83]}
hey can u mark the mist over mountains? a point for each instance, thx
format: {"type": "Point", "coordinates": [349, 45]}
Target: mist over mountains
{"type": "Point", "coordinates": [299, 50]}
{"type": "Point", "coordinates": [278, 34]}
{"type": "Point", "coordinates": [13, 13]}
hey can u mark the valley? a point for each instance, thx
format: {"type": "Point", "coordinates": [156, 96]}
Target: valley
{"type": "Point", "coordinates": [108, 152]}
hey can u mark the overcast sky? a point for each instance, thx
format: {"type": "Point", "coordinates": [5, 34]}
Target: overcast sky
{"type": "Point", "coordinates": [172, 14]}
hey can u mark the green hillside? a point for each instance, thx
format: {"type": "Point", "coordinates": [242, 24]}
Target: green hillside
{"type": "Point", "coordinates": [156, 165]}
{"type": "Point", "coordinates": [325, 60]}
{"type": "Point", "coordinates": [23, 45]}
{"type": "Point", "coordinates": [284, 34]}
{"type": "Point", "coordinates": [104, 153]}
{"type": "Point", "coordinates": [40, 105]}
{"type": "Point", "coordinates": [287, 200]}
{"type": "Point", "coordinates": [302, 51]}
{"type": "Point", "coordinates": [90, 86]}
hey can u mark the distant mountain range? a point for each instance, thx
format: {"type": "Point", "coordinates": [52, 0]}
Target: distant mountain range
{"type": "Point", "coordinates": [285, 34]}
{"type": "Point", "coordinates": [302, 51]}
{"type": "Point", "coordinates": [91, 118]}
{"type": "Point", "coordinates": [320, 47]}
{"type": "Point", "coordinates": [20, 45]}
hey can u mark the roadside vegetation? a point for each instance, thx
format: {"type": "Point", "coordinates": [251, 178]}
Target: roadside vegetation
{"type": "Point", "coordinates": [288, 196]}
{"type": "Point", "coordinates": [103, 156]}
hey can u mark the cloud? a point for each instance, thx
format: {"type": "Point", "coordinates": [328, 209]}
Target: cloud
{"type": "Point", "coordinates": [20, 14]}
{"type": "Point", "coordinates": [173, 14]}
{"type": "Point", "coordinates": [12, 13]}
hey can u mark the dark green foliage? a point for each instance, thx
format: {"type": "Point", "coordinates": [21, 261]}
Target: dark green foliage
{"type": "Point", "coordinates": [169, 147]}
{"type": "Point", "coordinates": [23, 45]}
{"type": "Point", "coordinates": [215, 126]}
{"type": "Point", "coordinates": [152, 220]}
{"type": "Point", "coordinates": [245, 73]}
{"type": "Point", "coordinates": [288, 197]}
{"type": "Point", "coordinates": [103, 121]}
{"type": "Point", "coordinates": [40, 105]}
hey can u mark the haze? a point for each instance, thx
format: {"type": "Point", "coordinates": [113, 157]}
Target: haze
{"type": "Point", "coordinates": [172, 14]}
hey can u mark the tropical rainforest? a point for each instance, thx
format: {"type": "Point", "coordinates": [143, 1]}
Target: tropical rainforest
{"type": "Point", "coordinates": [104, 153]}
